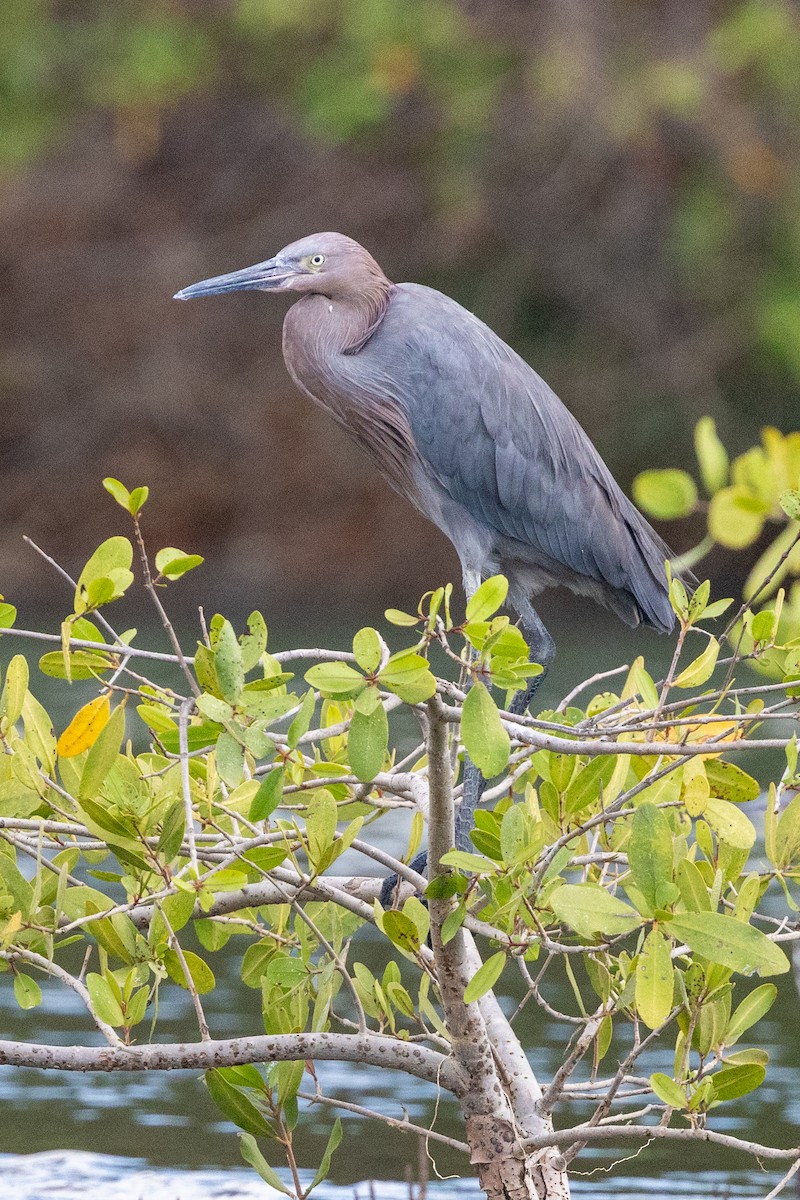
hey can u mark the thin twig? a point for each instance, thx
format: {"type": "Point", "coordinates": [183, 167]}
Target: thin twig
{"type": "Point", "coordinates": [186, 784]}
{"type": "Point", "coordinates": [403, 1124]}
{"type": "Point", "coordinates": [159, 607]}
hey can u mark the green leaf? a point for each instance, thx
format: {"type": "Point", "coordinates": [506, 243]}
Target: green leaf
{"type": "Point", "coordinates": [650, 851]}
{"type": "Point", "coordinates": [27, 992]}
{"type": "Point", "coordinates": [302, 722]}
{"type": "Point", "coordinates": [119, 492]}
{"type": "Point", "coordinates": [16, 884]}
{"type": "Point", "coordinates": [133, 502]}
{"type": "Point", "coordinates": [333, 1145]}
{"type": "Point", "coordinates": [255, 961]}
{"type": "Point", "coordinates": [589, 909]}
{"type": "Point", "coordinates": [712, 457]}
{"type": "Point", "coordinates": [39, 735]}
{"type": "Point", "coordinates": [446, 885]}
{"type": "Point", "coordinates": [401, 931]}
{"type": "Point", "coordinates": [736, 517]}
{"type": "Point", "coordinates": [787, 833]}
{"type": "Point", "coordinates": [694, 892]}
{"type": "Point", "coordinates": [254, 1158]}
{"type": "Point", "coordinates": [214, 708]}
{"type": "Point", "coordinates": [230, 759]}
{"type": "Point", "coordinates": [453, 922]}
{"type": "Point", "coordinates": [228, 662]}
{"type": "Point", "coordinates": [485, 977]}
{"type": "Point", "coordinates": [490, 596]}
{"type": "Point", "coordinates": [235, 1105]}
{"type": "Point", "coordinates": [179, 908]}
{"type": "Point", "coordinates": [102, 755]}
{"type": "Point", "coordinates": [729, 942]}
{"type": "Point", "coordinates": [172, 563]}
{"type": "Point", "coordinates": [729, 782]}
{"type": "Point", "coordinates": [201, 974]}
{"type": "Point", "coordinates": [790, 503]}
{"type": "Point", "coordinates": [8, 615]}
{"type": "Point", "coordinates": [138, 500]}
{"type": "Point", "coordinates": [335, 679]}
{"type": "Point", "coordinates": [732, 1082]}
{"type": "Point", "coordinates": [205, 670]}
{"type": "Point", "coordinates": [367, 742]}
{"type": "Point", "coordinates": [729, 823]}
{"type": "Point", "coordinates": [136, 1008]}
{"type": "Point", "coordinates": [715, 609]}
{"type": "Point", "coordinates": [665, 494]}
{"type": "Point", "coordinates": [485, 739]}
{"type": "Point", "coordinates": [407, 675]}
{"type": "Point", "coordinates": [173, 827]}
{"type": "Point", "coordinates": [462, 860]}
{"type": "Point", "coordinates": [199, 736]}
{"type": "Point", "coordinates": [104, 1002]}
{"type": "Point", "coordinates": [701, 669]}
{"type": "Point", "coordinates": [268, 796]}
{"type": "Point", "coordinates": [513, 833]}
{"type": "Point", "coordinates": [367, 649]}
{"type": "Point", "coordinates": [12, 697]}
{"type": "Point", "coordinates": [254, 642]}
{"type": "Point", "coordinates": [321, 821]}
{"type": "Point", "coordinates": [640, 681]}
{"type": "Point", "coordinates": [752, 1009]}
{"type": "Point", "coordinates": [588, 782]}
{"type": "Point", "coordinates": [396, 616]}
{"type": "Point", "coordinates": [83, 664]}
{"type": "Point", "coordinates": [107, 574]}
{"type": "Point", "coordinates": [654, 980]}
{"type": "Point", "coordinates": [668, 1090]}
{"type": "Point", "coordinates": [752, 1055]}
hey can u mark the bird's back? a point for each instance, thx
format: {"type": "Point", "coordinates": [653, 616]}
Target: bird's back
{"type": "Point", "coordinates": [503, 465]}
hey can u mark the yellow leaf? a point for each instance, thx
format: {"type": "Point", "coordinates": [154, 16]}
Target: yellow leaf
{"type": "Point", "coordinates": [696, 788]}
{"type": "Point", "coordinates": [12, 926]}
{"type": "Point", "coordinates": [701, 669]}
{"type": "Point", "coordinates": [85, 727]}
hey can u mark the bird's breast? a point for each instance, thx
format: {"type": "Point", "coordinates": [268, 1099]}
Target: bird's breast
{"type": "Point", "coordinates": [349, 389]}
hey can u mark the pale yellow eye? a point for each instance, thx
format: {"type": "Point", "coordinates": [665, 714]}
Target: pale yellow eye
{"type": "Point", "coordinates": [317, 260]}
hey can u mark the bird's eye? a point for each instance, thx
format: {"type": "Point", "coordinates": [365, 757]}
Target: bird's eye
{"type": "Point", "coordinates": [317, 260]}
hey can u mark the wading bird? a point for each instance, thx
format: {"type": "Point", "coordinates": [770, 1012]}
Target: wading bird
{"type": "Point", "coordinates": [463, 428]}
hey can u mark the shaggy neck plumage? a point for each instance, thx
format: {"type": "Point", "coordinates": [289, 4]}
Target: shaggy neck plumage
{"type": "Point", "coordinates": [358, 312]}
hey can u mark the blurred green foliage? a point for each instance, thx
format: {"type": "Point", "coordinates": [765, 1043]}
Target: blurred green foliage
{"type": "Point", "coordinates": [754, 498]}
{"type": "Point", "coordinates": [625, 178]}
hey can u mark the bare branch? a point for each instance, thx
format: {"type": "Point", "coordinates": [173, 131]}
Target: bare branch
{"type": "Point", "coordinates": [611, 1133]}
{"type": "Point", "coordinates": [375, 1049]}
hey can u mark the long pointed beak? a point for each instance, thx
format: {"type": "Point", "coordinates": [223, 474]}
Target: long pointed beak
{"type": "Point", "coordinates": [263, 277]}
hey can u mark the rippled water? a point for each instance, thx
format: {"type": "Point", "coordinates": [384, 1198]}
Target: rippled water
{"type": "Point", "coordinates": [62, 1175]}
{"type": "Point", "coordinates": [159, 1137]}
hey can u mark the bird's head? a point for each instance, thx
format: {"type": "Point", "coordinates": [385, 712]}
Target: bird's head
{"type": "Point", "coordinates": [328, 263]}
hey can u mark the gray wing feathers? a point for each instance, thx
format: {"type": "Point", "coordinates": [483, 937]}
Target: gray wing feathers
{"type": "Point", "coordinates": [502, 445]}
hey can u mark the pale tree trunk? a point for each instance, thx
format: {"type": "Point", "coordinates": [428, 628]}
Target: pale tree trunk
{"type": "Point", "coordinates": [500, 1091]}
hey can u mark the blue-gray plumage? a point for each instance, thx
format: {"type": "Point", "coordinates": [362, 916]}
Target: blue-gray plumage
{"type": "Point", "coordinates": [462, 427]}
{"type": "Point", "coordinates": [469, 433]}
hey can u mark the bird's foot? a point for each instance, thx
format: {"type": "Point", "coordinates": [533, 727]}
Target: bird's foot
{"type": "Point", "coordinates": [419, 864]}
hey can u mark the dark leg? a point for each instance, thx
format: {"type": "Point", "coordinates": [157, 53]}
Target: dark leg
{"type": "Point", "coordinates": [542, 651]}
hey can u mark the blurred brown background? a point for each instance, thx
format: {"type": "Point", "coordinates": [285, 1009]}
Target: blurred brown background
{"type": "Point", "coordinates": [613, 186]}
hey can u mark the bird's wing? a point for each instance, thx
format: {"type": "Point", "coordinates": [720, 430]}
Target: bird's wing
{"type": "Point", "coordinates": [503, 446]}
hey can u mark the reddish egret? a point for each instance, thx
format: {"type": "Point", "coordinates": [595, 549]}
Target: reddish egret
{"type": "Point", "coordinates": [463, 428]}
